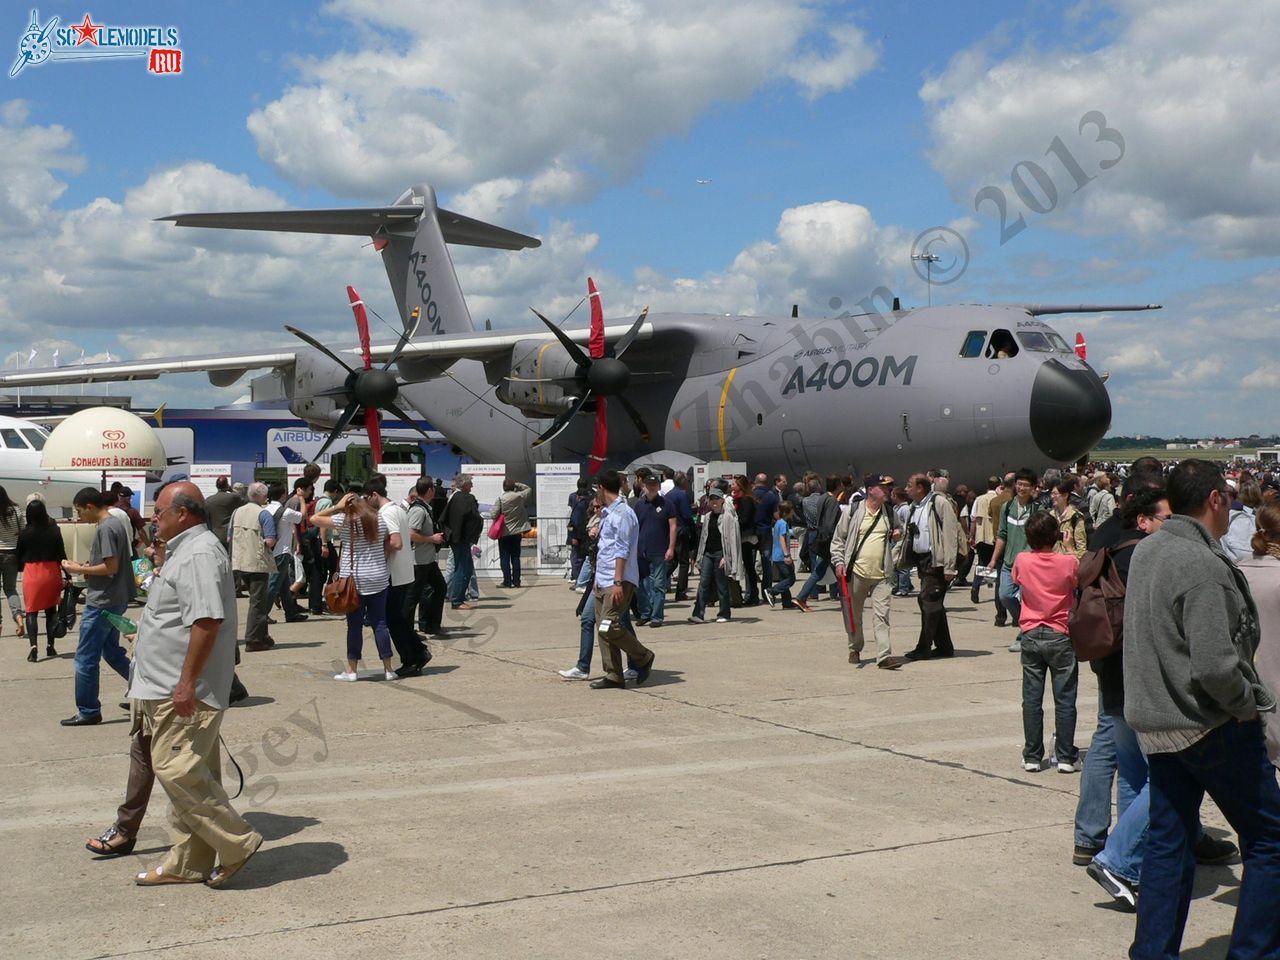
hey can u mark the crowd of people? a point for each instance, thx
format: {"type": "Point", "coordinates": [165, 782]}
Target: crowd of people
{"type": "Point", "coordinates": [1166, 582]}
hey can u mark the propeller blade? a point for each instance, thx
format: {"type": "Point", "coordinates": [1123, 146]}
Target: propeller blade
{"type": "Point", "coordinates": [362, 325]}
{"type": "Point", "coordinates": [344, 421]}
{"type": "Point", "coordinates": [600, 440]}
{"type": "Point", "coordinates": [573, 349]}
{"type": "Point", "coordinates": [562, 421]}
{"type": "Point", "coordinates": [375, 434]}
{"type": "Point", "coordinates": [405, 337]}
{"type": "Point", "coordinates": [307, 338]}
{"type": "Point", "coordinates": [620, 347]}
{"type": "Point", "coordinates": [636, 419]}
{"type": "Point", "coordinates": [595, 344]}
{"type": "Point", "coordinates": [401, 415]}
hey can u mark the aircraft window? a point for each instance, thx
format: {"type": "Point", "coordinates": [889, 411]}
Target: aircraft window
{"type": "Point", "coordinates": [35, 438]}
{"type": "Point", "coordinates": [1059, 344]}
{"type": "Point", "coordinates": [12, 440]}
{"type": "Point", "coordinates": [1002, 346]}
{"type": "Point", "coordinates": [973, 342]}
{"type": "Point", "coordinates": [1035, 341]}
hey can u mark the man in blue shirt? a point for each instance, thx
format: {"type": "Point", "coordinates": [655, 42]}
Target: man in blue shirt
{"type": "Point", "coordinates": [766, 512]}
{"type": "Point", "coordinates": [681, 507]}
{"type": "Point", "coordinates": [617, 573]}
{"type": "Point", "coordinates": [657, 525]}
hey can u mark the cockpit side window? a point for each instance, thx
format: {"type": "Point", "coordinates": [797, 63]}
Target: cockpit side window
{"type": "Point", "coordinates": [35, 438]}
{"type": "Point", "coordinates": [1002, 346]}
{"type": "Point", "coordinates": [973, 342]}
{"type": "Point", "coordinates": [1035, 341]}
{"type": "Point", "coordinates": [12, 440]}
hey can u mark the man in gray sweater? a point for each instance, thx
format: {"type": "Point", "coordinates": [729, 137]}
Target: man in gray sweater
{"type": "Point", "coordinates": [1193, 697]}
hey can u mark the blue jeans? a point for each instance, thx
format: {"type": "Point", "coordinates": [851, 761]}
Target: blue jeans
{"type": "Point", "coordinates": [651, 597]}
{"type": "Point", "coordinates": [711, 576]}
{"type": "Point", "coordinates": [1101, 763]}
{"type": "Point", "coordinates": [902, 579]}
{"type": "Point", "coordinates": [1010, 594]}
{"type": "Point", "coordinates": [587, 642]}
{"type": "Point", "coordinates": [1230, 764]}
{"type": "Point", "coordinates": [373, 607]}
{"type": "Point", "coordinates": [586, 575]}
{"type": "Point", "coordinates": [818, 565]}
{"type": "Point", "coordinates": [509, 559]}
{"type": "Point", "coordinates": [784, 578]}
{"type": "Point", "coordinates": [764, 544]}
{"type": "Point", "coordinates": [463, 570]}
{"type": "Point", "coordinates": [278, 585]}
{"type": "Point", "coordinates": [99, 640]}
{"type": "Point", "coordinates": [1045, 650]}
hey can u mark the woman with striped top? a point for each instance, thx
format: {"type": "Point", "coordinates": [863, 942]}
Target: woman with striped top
{"type": "Point", "coordinates": [365, 541]}
{"type": "Point", "coordinates": [11, 525]}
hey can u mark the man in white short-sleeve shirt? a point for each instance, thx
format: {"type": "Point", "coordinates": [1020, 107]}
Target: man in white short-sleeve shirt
{"type": "Point", "coordinates": [413, 652]}
{"type": "Point", "coordinates": [286, 520]}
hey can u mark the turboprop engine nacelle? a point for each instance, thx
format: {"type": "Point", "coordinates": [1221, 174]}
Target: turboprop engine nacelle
{"type": "Point", "coordinates": [540, 382]}
{"type": "Point", "coordinates": [317, 391]}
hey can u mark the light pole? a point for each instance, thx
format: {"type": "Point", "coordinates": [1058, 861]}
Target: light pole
{"type": "Point", "coordinates": [929, 260]}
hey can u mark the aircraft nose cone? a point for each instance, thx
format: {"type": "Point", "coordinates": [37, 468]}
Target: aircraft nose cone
{"type": "Point", "coordinates": [1070, 411]}
{"type": "Point", "coordinates": [608, 376]}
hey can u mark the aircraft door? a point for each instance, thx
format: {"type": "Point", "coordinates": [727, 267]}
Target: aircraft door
{"type": "Point", "coordinates": [797, 459]}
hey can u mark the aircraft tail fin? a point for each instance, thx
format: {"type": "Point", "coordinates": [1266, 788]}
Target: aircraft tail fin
{"type": "Point", "coordinates": [412, 235]}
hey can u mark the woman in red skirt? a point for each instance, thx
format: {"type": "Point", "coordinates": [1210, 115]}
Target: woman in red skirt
{"type": "Point", "coordinates": [40, 556]}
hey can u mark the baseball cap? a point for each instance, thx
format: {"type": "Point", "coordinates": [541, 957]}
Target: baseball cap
{"type": "Point", "coordinates": [715, 492]}
{"type": "Point", "coordinates": [878, 480]}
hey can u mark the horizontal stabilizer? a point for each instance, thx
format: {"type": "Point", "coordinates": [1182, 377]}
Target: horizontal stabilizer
{"type": "Point", "coordinates": [1040, 309]}
{"type": "Point", "coordinates": [362, 222]}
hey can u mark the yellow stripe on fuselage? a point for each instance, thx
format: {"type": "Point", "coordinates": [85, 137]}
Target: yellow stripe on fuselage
{"type": "Point", "coordinates": [724, 400]}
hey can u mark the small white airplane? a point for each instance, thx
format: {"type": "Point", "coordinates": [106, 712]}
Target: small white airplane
{"type": "Point", "coordinates": [20, 472]}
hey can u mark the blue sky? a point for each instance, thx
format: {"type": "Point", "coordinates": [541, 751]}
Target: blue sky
{"type": "Point", "coordinates": [833, 135]}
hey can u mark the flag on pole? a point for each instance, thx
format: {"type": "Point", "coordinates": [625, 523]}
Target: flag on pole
{"type": "Point", "coordinates": [31, 356]}
{"type": "Point", "coordinates": [55, 357]}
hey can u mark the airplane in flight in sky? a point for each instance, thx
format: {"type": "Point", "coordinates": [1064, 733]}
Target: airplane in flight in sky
{"type": "Point", "coordinates": [973, 388]}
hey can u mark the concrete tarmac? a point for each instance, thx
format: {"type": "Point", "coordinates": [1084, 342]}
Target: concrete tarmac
{"type": "Point", "coordinates": [759, 797]}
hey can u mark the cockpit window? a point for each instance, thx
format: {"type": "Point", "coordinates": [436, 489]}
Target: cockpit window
{"type": "Point", "coordinates": [1045, 341]}
{"type": "Point", "coordinates": [973, 342]}
{"type": "Point", "coordinates": [1002, 346]}
{"type": "Point", "coordinates": [35, 438]}
{"type": "Point", "coordinates": [12, 440]}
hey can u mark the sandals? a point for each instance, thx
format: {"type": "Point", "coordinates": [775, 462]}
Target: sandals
{"type": "Point", "coordinates": [158, 878]}
{"type": "Point", "coordinates": [108, 848]}
{"type": "Point", "coordinates": [222, 875]}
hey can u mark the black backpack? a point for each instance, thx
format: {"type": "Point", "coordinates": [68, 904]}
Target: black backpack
{"type": "Point", "coordinates": [1096, 621]}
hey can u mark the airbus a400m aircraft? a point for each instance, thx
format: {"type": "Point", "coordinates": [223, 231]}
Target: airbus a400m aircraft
{"type": "Point", "coordinates": [972, 388]}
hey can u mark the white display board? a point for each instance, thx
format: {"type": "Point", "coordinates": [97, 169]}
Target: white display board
{"type": "Point", "coordinates": [702, 472]}
{"type": "Point", "coordinates": [205, 476]}
{"type": "Point", "coordinates": [555, 481]}
{"type": "Point", "coordinates": [137, 482]}
{"type": "Point", "coordinates": [486, 485]}
{"type": "Point", "coordinates": [294, 473]}
{"type": "Point", "coordinates": [401, 478]}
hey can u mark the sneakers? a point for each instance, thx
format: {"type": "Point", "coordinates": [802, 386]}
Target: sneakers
{"type": "Point", "coordinates": [573, 673]}
{"type": "Point", "coordinates": [694, 618]}
{"type": "Point", "coordinates": [773, 601]}
{"type": "Point", "coordinates": [347, 676]}
{"type": "Point", "coordinates": [1072, 766]}
{"type": "Point", "coordinates": [1031, 766]}
{"type": "Point", "coordinates": [629, 674]}
{"type": "Point", "coordinates": [722, 619]}
{"type": "Point", "coordinates": [1015, 647]}
{"type": "Point", "coordinates": [1122, 890]}
{"type": "Point", "coordinates": [1211, 852]}
{"type": "Point", "coordinates": [389, 675]}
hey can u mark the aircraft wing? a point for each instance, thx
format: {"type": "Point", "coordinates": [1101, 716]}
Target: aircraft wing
{"type": "Point", "coordinates": [225, 369]}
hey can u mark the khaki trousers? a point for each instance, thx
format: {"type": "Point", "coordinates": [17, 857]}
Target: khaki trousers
{"type": "Point", "coordinates": [879, 591]}
{"type": "Point", "coordinates": [187, 762]}
{"type": "Point", "coordinates": [614, 637]}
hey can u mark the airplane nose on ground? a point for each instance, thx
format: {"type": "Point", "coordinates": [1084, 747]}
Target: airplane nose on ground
{"type": "Point", "coordinates": [1070, 411]}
